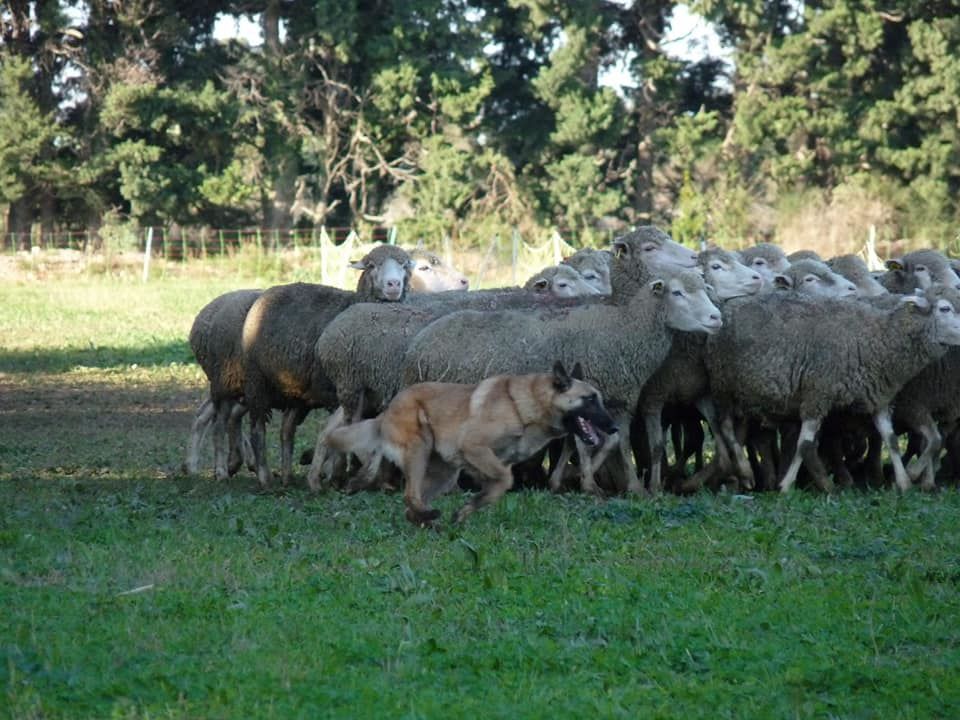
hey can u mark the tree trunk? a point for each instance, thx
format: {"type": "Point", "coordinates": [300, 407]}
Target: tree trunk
{"type": "Point", "coordinates": [19, 220]}
{"type": "Point", "coordinates": [48, 218]}
{"type": "Point", "coordinates": [270, 23]}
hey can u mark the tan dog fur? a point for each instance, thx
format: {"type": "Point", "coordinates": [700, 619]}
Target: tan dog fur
{"type": "Point", "coordinates": [432, 431]}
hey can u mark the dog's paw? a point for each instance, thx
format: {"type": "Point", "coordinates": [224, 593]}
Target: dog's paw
{"type": "Point", "coordinates": [422, 518]}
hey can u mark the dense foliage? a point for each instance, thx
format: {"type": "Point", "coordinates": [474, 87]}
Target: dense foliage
{"type": "Point", "coordinates": [449, 114]}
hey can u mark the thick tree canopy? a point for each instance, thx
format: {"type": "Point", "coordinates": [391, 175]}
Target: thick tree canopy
{"type": "Point", "coordinates": [452, 116]}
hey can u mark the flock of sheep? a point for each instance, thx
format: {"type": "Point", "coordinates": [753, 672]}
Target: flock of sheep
{"type": "Point", "coordinates": [802, 370]}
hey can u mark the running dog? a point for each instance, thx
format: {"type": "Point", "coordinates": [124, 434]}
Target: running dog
{"type": "Point", "coordinates": [433, 430]}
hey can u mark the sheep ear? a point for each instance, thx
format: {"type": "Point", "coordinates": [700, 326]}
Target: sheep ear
{"type": "Point", "coordinates": [894, 264]}
{"type": "Point", "coordinates": [620, 249]}
{"type": "Point", "coordinates": [916, 303]}
{"type": "Point", "coordinates": [540, 284]}
{"type": "Point", "coordinates": [577, 373]}
{"type": "Point", "coordinates": [657, 287]}
{"type": "Point", "coordinates": [358, 265]}
{"type": "Point", "coordinates": [782, 282]}
{"type": "Point", "coordinates": [561, 381]}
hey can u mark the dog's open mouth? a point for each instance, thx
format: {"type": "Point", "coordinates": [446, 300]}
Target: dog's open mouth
{"type": "Point", "coordinates": [586, 431]}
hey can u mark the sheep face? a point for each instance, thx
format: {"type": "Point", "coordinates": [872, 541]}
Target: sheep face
{"type": "Point", "coordinates": [386, 270]}
{"type": "Point", "coordinates": [810, 277]}
{"type": "Point", "coordinates": [728, 276]}
{"type": "Point", "coordinates": [921, 269]}
{"type": "Point", "coordinates": [688, 308]}
{"type": "Point", "coordinates": [431, 274]}
{"type": "Point", "coordinates": [766, 259]}
{"type": "Point", "coordinates": [854, 269]}
{"type": "Point", "coordinates": [944, 304]}
{"type": "Point", "coordinates": [594, 268]}
{"type": "Point", "coordinates": [561, 281]}
{"type": "Point", "coordinates": [659, 253]}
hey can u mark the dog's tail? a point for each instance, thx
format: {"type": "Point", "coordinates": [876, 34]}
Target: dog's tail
{"type": "Point", "coordinates": [363, 440]}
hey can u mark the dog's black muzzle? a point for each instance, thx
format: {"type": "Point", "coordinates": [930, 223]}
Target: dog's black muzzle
{"type": "Point", "coordinates": [589, 421]}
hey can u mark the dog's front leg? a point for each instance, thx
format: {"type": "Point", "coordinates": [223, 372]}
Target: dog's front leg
{"type": "Point", "coordinates": [556, 475]}
{"type": "Point", "coordinates": [495, 477]}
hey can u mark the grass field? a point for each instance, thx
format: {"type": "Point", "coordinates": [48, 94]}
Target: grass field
{"type": "Point", "coordinates": [130, 591]}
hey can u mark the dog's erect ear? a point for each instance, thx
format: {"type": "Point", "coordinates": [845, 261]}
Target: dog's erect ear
{"type": "Point", "coordinates": [577, 373]}
{"type": "Point", "coordinates": [561, 381]}
{"type": "Point", "coordinates": [541, 284]}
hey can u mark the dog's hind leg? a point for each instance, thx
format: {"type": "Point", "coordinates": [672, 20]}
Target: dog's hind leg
{"type": "Point", "coordinates": [417, 490]}
{"type": "Point", "coordinates": [496, 478]}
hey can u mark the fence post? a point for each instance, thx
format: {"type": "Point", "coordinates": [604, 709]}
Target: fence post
{"type": "Point", "coordinates": [146, 253]}
{"type": "Point", "coordinates": [514, 254]}
{"type": "Point", "coordinates": [392, 235]}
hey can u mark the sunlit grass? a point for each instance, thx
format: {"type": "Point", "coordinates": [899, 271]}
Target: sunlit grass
{"type": "Point", "coordinates": [132, 591]}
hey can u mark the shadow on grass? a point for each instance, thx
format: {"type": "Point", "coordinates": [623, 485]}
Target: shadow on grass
{"type": "Point", "coordinates": [66, 359]}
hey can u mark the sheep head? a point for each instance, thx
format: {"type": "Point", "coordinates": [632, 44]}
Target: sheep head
{"type": "Point", "coordinates": [688, 307]}
{"type": "Point", "coordinates": [385, 273]}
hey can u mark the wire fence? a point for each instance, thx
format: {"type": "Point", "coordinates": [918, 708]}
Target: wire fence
{"type": "Point", "coordinates": [178, 243]}
{"type": "Point", "coordinates": [322, 253]}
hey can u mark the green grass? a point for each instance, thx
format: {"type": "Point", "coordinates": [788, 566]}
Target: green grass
{"type": "Point", "coordinates": [129, 590]}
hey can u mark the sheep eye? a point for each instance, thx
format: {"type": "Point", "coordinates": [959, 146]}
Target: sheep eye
{"type": "Point", "coordinates": [759, 262]}
{"type": "Point", "coordinates": [921, 268]}
{"type": "Point", "coordinates": [649, 248]}
{"type": "Point", "coordinates": [715, 266]}
{"type": "Point", "coordinates": [423, 268]}
{"type": "Point", "coordinates": [945, 308]}
{"type": "Point", "coordinates": [810, 278]}
{"type": "Point", "coordinates": [590, 276]}
{"type": "Point", "coordinates": [677, 293]}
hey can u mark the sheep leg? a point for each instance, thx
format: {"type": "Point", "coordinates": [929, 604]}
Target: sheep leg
{"type": "Point", "coordinates": [706, 408]}
{"type": "Point", "coordinates": [367, 477]}
{"type": "Point", "coordinates": [240, 452]}
{"type": "Point", "coordinates": [809, 449]}
{"type": "Point", "coordinates": [729, 435]}
{"type": "Point", "coordinates": [292, 417]}
{"type": "Point", "coordinates": [221, 470]}
{"type": "Point", "coordinates": [198, 431]}
{"type": "Point", "coordinates": [764, 444]}
{"type": "Point", "coordinates": [952, 445]}
{"type": "Point", "coordinates": [655, 441]}
{"type": "Point", "coordinates": [626, 460]}
{"type": "Point", "coordinates": [258, 441]}
{"type": "Point", "coordinates": [923, 467]}
{"type": "Point", "coordinates": [495, 477]}
{"type": "Point", "coordinates": [884, 425]}
{"type": "Point", "coordinates": [692, 444]}
{"type": "Point", "coordinates": [320, 448]}
{"type": "Point", "coordinates": [807, 437]}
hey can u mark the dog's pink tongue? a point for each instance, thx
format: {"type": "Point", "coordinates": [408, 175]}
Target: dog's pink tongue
{"type": "Point", "coordinates": [587, 429]}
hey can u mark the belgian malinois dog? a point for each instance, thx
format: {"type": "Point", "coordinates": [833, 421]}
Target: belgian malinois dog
{"type": "Point", "coordinates": [433, 430]}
